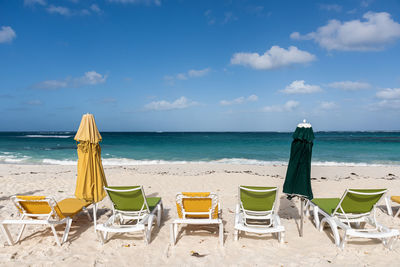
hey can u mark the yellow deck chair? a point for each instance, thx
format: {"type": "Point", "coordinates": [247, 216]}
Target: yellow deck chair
{"type": "Point", "coordinates": [197, 208]}
{"type": "Point", "coordinates": [40, 210]}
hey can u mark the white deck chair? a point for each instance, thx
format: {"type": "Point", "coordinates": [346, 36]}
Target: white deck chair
{"type": "Point", "coordinates": [357, 206]}
{"type": "Point", "coordinates": [256, 212]}
{"type": "Point", "coordinates": [40, 210]}
{"type": "Point", "coordinates": [197, 208]}
{"type": "Point", "coordinates": [132, 212]}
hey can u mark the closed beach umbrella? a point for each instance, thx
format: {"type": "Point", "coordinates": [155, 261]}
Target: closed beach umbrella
{"type": "Point", "coordinates": [91, 178]}
{"type": "Point", "coordinates": [298, 180]}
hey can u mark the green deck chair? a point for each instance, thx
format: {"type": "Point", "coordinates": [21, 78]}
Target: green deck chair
{"type": "Point", "coordinates": [132, 211]}
{"type": "Point", "coordinates": [256, 212]}
{"type": "Point", "coordinates": [356, 206]}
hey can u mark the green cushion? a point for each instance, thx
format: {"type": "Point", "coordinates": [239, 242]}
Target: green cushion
{"type": "Point", "coordinates": [152, 202]}
{"type": "Point", "coordinates": [326, 204]}
{"type": "Point", "coordinates": [352, 203]}
{"type": "Point", "coordinates": [130, 201]}
{"type": "Point", "coordinates": [257, 201]}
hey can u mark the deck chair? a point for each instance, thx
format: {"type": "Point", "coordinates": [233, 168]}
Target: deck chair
{"type": "Point", "coordinates": [198, 208]}
{"type": "Point", "coordinates": [256, 213]}
{"type": "Point", "coordinates": [41, 210]}
{"type": "Point", "coordinates": [357, 206]}
{"type": "Point", "coordinates": [132, 211]}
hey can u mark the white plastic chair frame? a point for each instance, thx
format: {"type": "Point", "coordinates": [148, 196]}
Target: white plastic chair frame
{"type": "Point", "coordinates": [242, 215]}
{"type": "Point", "coordinates": [343, 220]}
{"type": "Point", "coordinates": [389, 207]}
{"type": "Point", "coordinates": [142, 217]}
{"type": "Point", "coordinates": [50, 219]}
{"type": "Point", "coordinates": [198, 221]}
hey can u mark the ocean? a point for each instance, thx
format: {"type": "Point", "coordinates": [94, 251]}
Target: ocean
{"type": "Point", "coordinates": [261, 148]}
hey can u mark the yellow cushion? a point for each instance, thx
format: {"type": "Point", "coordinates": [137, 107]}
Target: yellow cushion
{"type": "Point", "coordinates": [395, 199]}
{"type": "Point", "coordinates": [199, 203]}
{"type": "Point", "coordinates": [65, 208]}
{"type": "Point", "coordinates": [71, 206]}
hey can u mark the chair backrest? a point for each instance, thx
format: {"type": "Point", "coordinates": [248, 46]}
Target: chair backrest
{"type": "Point", "coordinates": [197, 202]}
{"type": "Point", "coordinates": [258, 198]}
{"type": "Point", "coordinates": [37, 206]}
{"type": "Point", "coordinates": [359, 201]}
{"type": "Point", "coordinates": [127, 198]}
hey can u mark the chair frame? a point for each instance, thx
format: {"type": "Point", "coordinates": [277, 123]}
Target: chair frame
{"type": "Point", "coordinates": [50, 219]}
{"type": "Point", "coordinates": [340, 219]}
{"type": "Point", "coordinates": [242, 215]}
{"type": "Point", "coordinates": [198, 221]}
{"type": "Point", "coordinates": [142, 217]}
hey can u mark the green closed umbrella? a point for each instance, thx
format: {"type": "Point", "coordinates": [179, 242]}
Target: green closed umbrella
{"type": "Point", "coordinates": [298, 180]}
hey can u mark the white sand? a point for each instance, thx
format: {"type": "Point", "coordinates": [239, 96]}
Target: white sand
{"type": "Point", "coordinates": [38, 248]}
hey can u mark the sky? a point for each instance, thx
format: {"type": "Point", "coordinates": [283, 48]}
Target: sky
{"type": "Point", "coordinates": [184, 65]}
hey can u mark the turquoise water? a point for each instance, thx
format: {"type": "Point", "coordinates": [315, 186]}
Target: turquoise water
{"type": "Point", "coordinates": [119, 148]}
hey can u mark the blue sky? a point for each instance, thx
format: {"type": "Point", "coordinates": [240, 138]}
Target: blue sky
{"type": "Point", "coordinates": [159, 65]}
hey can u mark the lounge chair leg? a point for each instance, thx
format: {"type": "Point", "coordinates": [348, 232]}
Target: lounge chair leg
{"type": "Point", "coordinates": [55, 234]}
{"type": "Point", "coordinates": [172, 234]}
{"type": "Point", "coordinates": [149, 226]}
{"type": "Point", "coordinates": [175, 231]}
{"type": "Point", "coordinates": [236, 235]}
{"type": "Point", "coordinates": [343, 240]}
{"type": "Point", "coordinates": [221, 234]}
{"type": "Point", "coordinates": [334, 228]}
{"type": "Point", "coordinates": [307, 209]}
{"type": "Point", "coordinates": [397, 213]}
{"type": "Point", "coordinates": [20, 233]}
{"type": "Point", "coordinates": [281, 237]}
{"type": "Point", "coordinates": [87, 213]}
{"type": "Point", "coordinates": [159, 214]}
{"type": "Point", "coordinates": [7, 234]}
{"type": "Point", "coordinates": [66, 231]}
{"type": "Point", "coordinates": [316, 216]}
{"type": "Point", "coordinates": [388, 206]}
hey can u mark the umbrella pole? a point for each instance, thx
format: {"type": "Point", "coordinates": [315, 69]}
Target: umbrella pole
{"type": "Point", "coordinates": [301, 216]}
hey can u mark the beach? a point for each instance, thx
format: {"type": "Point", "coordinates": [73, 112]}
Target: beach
{"type": "Point", "coordinates": [83, 247]}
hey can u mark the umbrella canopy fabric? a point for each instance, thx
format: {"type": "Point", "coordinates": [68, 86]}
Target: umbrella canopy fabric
{"type": "Point", "coordinates": [298, 180]}
{"type": "Point", "coordinates": [91, 178]}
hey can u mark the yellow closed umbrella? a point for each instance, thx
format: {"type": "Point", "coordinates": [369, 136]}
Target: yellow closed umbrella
{"type": "Point", "coordinates": [91, 179]}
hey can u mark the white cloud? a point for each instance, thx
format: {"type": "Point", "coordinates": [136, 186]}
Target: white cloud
{"type": "Point", "coordinates": [145, 2]}
{"type": "Point", "coordinates": [373, 33]}
{"type": "Point", "coordinates": [288, 106]}
{"type": "Point", "coordinates": [210, 18]}
{"type": "Point", "coordinates": [275, 57]}
{"type": "Point", "coordinates": [326, 105]}
{"type": "Point", "coordinates": [300, 87]}
{"type": "Point", "coordinates": [349, 85]}
{"type": "Point", "coordinates": [34, 2]}
{"type": "Point", "coordinates": [198, 73]}
{"type": "Point", "coordinates": [386, 104]}
{"type": "Point", "coordinates": [7, 34]}
{"type": "Point", "coordinates": [239, 100]}
{"type": "Point", "coordinates": [95, 8]}
{"type": "Point", "coordinates": [92, 78]}
{"type": "Point", "coordinates": [228, 17]}
{"type": "Point", "coordinates": [89, 78]}
{"type": "Point", "coordinates": [61, 10]}
{"type": "Point", "coordinates": [389, 93]}
{"type": "Point", "coordinates": [180, 103]}
{"type": "Point", "coordinates": [331, 7]}
{"type": "Point", "coordinates": [189, 74]}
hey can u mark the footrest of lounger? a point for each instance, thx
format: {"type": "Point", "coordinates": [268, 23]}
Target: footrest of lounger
{"type": "Point", "coordinates": [120, 228]}
{"type": "Point", "coordinates": [376, 234]}
{"type": "Point", "coordinates": [260, 230]}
